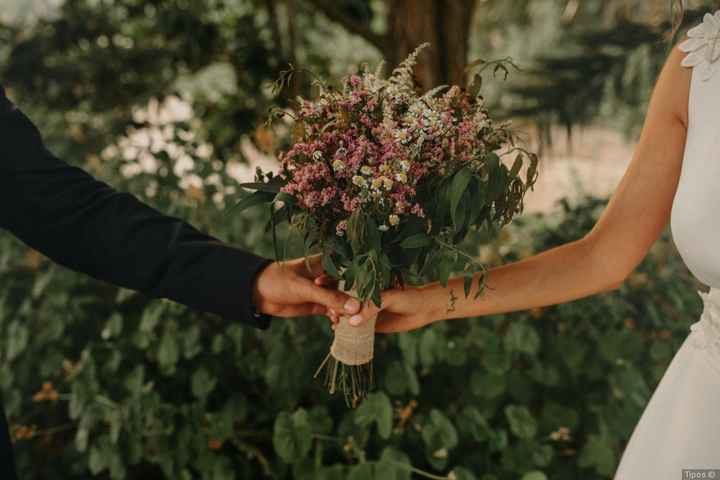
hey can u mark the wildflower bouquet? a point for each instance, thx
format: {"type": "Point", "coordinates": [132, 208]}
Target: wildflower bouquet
{"type": "Point", "coordinates": [386, 182]}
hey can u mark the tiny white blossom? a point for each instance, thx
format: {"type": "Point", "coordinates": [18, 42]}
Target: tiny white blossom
{"type": "Point", "coordinates": [359, 181]}
{"type": "Point", "coordinates": [317, 154]}
{"type": "Point", "coordinates": [393, 220]}
{"type": "Point", "coordinates": [401, 177]}
{"type": "Point", "coordinates": [338, 165]}
{"type": "Point", "coordinates": [365, 170]}
{"type": "Point", "coordinates": [383, 228]}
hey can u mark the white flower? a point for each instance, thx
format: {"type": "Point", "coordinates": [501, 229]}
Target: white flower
{"type": "Point", "coordinates": [401, 177]}
{"type": "Point", "coordinates": [338, 165]}
{"type": "Point", "coordinates": [383, 228]}
{"type": "Point", "coordinates": [393, 220]}
{"type": "Point", "coordinates": [376, 183]}
{"type": "Point", "coordinates": [703, 46]}
{"type": "Point", "coordinates": [317, 154]}
{"type": "Point", "coordinates": [359, 181]}
{"type": "Point", "coordinates": [365, 170]}
{"type": "Point", "coordinates": [405, 165]}
{"type": "Point", "coordinates": [387, 183]}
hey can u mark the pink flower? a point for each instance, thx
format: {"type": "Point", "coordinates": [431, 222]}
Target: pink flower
{"type": "Point", "coordinates": [341, 228]}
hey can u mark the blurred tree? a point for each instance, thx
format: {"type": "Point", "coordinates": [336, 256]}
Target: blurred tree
{"type": "Point", "coordinates": [408, 23]}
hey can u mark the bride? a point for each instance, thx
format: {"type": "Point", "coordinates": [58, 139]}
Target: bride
{"type": "Point", "coordinates": [673, 176]}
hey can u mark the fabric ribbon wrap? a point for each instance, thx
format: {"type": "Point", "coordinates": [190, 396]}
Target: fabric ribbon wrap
{"type": "Point", "coordinates": [348, 365]}
{"type": "Point", "coordinates": [353, 345]}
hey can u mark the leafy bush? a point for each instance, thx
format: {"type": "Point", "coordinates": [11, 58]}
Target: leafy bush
{"type": "Point", "coordinates": [101, 381]}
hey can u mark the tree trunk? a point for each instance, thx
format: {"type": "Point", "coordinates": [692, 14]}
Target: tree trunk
{"type": "Point", "coordinates": [444, 24]}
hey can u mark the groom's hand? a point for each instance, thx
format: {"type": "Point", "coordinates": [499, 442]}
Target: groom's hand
{"type": "Point", "coordinates": [402, 310]}
{"type": "Point", "coordinates": [287, 289]}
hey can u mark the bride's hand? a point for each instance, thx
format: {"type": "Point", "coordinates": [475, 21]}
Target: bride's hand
{"type": "Point", "coordinates": [402, 310]}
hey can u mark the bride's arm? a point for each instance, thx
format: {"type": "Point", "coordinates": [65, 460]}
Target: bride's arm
{"type": "Point", "coordinates": [600, 261]}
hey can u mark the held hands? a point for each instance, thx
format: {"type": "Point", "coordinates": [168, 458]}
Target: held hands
{"type": "Point", "coordinates": [287, 289]}
{"type": "Point", "coordinates": [402, 310]}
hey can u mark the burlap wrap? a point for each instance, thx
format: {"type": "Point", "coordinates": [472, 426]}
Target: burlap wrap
{"type": "Point", "coordinates": [353, 345]}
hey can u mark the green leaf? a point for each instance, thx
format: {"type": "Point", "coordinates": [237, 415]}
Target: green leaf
{"type": "Point", "coordinates": [428, 347]}
{"type": "Point", "coordinates": [255, 198]}
{"type": "Point", "coordinates": [363, 471]}
{"type": "Point", "coordinates": [496, 359]}
{"type": "Point", "coordinates": [292, 436]}
{"type": "Point", "coordinates": [376, 408]}
{"type": "Point", "coordinates": [168, 353]}
{"type": "Point", "coordinates": [439, 436]}
{"type": "Point", "coordinates": [273, 186]}
{"type": "Point", "coordinates": [522, 337]}
{"type": "Point", "coordinates": [393, 465]}
{"type": "Point", "coordinates": [516, 166]}
{"type": "Point", "coordinates": [457, 189]}
{"type": "Point", "coordinates": [521, 421]}
{"type": "Point", "coordinates": [534, 475]}
{"type": "Point", "coordinates": [599, 454]}
{"type": "Point", "coordinates": [419, 240]}
{"type": "Point", "coordinates": [467, 283]}
{"type": "Point", "coordinates": [487, 385]}
{"type": "Point", "coordinates": [329, 266]}
{"type": "Point", "coordinates": [463, 474]}
{"type": "Point", "coordinates": [202, 383]}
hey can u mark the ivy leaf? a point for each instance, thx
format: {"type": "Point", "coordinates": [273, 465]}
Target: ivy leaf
{"type": "Point", "coordinates": [168, 352]}
{"type": "Point", "coordinates": [363, 471]}
{"type": "Point", "coordinates": [439, 436]}
{"type": "Point", "coordinates": [202, 383]}
{"type": "Point", "coordinates": [292, 435]}
{"type": "Point", "coordinates": [521, 421]}
{"type": "Point", "coordinates": [598, 454]}
{"type": "Point", "coordinates": [376, 408]}
{"type": "Point", "coordinates": [389, 467]}
{"type": "Point", "coordinates": [522, 337]}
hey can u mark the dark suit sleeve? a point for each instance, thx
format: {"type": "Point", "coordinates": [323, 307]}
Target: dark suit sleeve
{"type": "Point", "coordinates": [84, 224]}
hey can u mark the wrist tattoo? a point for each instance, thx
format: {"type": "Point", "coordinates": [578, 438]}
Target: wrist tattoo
{"type": "Point", "coordinates": [451, 302]}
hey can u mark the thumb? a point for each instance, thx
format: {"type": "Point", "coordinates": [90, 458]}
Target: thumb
{"type": "Point", "coordinates": [369, 311]}
{"type": "Point", "coordinates": [330, 298]}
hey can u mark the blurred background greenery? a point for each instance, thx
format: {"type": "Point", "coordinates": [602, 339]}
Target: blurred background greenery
{"type": "Point", "coordinates": [167, 99]}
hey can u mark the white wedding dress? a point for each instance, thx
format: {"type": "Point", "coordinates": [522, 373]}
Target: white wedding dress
{"type": "Point", "coordinates": [680, 426]}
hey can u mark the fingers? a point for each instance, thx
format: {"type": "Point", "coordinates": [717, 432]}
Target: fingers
{"type": "Point", "coordinates": [368, 312]}
{"type": "Point", "coordinates": [315, 264]}
{"type": "Point", "coordinates": [299, 310]}
{"type": "Point", "coordinates": [325, 280]}
{"type": "Point", "coordinates": [329, 297]}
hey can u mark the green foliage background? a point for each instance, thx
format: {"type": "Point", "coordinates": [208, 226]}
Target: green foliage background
{"type": "Point", "coordinates": [150, 389]}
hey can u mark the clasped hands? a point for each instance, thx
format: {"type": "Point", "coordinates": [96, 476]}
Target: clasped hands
{"type": "Point", "coordinates": [301, 287]}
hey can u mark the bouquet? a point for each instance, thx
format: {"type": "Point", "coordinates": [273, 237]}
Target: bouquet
{"type": "Point", "coordinates": [385, 182]}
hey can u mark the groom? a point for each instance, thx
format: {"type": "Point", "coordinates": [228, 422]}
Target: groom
{"type": "Point", "coordinates": [87, 226]}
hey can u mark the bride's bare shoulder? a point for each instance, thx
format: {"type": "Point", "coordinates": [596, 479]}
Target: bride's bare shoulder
{"type": "Point", "coordinates": [672, 91]}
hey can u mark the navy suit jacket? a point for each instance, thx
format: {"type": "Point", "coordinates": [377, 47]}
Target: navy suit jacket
{"type": "Point", "coordinates": [84, 224]}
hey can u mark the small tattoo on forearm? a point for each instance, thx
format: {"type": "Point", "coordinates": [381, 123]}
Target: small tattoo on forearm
{"type": "Point", "coordinates": [451, 302]}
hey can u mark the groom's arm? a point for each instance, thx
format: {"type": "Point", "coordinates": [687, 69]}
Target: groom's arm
{"type": "Point", "coordinates": [84, 224]}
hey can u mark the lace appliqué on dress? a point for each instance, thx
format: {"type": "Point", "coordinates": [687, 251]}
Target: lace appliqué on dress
{"type": "Point", "coordinates": [703, 46]}
{"type": "Point", "coordinates": [707, 329]}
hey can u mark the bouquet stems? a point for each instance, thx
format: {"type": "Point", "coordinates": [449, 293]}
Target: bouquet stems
{"type": "Point", "coordinates": [348, 366]}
